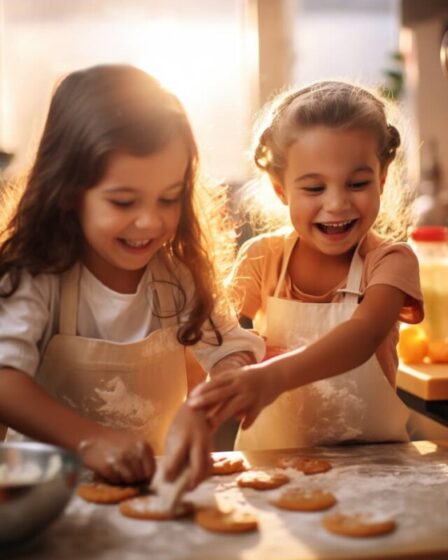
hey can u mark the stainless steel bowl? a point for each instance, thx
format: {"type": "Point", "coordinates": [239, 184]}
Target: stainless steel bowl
{"type": "Point", "coordinates": [36, 482]}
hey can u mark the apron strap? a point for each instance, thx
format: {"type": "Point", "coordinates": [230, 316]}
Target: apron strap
{"type": "Point", "coordinates": [68, 307]}
{"type": "Point", "coordinates": [351, 291]}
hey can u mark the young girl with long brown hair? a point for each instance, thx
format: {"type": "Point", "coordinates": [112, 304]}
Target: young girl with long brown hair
{"type": "Point", "coordinates": [110, 268]}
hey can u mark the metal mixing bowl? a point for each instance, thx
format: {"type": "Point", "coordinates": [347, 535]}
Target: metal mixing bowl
{"type": "Point", "coordinates": [36, 482]}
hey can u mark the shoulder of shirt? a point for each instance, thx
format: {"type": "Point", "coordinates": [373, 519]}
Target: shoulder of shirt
{"type": "Point", "coordinates": [376, 247]}
{"type": "Point", "coordinates": [271, 242]}
{"type": "Point", "coordinates": [42, 285]}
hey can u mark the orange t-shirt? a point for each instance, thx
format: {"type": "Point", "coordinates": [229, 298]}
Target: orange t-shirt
{"type": "Point", "coordinates": [258, 268]}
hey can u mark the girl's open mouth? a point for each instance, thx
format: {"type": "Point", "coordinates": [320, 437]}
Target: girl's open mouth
{"type": "Point", "coordinates": [336, 227]}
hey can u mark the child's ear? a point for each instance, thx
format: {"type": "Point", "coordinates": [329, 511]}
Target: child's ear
{"type": "Point", "coordinates": [279, 191]}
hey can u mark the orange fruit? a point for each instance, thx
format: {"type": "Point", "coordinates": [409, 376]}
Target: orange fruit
{"type": "Point", "coordinates": [438, 351]}
{"type": "Point", "coordinates": [412, 345]}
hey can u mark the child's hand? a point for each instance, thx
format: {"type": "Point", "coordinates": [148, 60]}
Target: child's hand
{"type": "Point", "coordinates": [189, 441]}
{"type": "Point", "coordinates": [118, 456]}
{"type": "Point", "coordinates": [243, 393]}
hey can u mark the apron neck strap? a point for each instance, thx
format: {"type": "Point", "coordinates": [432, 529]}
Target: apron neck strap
{"type": "Point", "coordinates": [68, 309]}
{"type": "Point", "coordinates": [351, 291]}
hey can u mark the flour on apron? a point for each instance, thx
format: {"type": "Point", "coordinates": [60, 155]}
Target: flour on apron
{"type": "Point", "coordinates": [137, 386]}
{"type": "Point", "coordinates": [356, 406]}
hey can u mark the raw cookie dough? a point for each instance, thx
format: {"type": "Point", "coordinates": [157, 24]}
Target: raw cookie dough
{"type": "Point", "coordinates": [233, 521]}
{"type": "Point", "coordinates": [299, 499]}
{"type": "Point", "coordinates": [103, 493]}
{"type": "Point", "coordinates": [357, 525]}
{"type": "Point", "coordinates": [150, 507]}
{"type": "Point", "coordinates": [307, 465]}
{"type": "Point", "coordinates": [261, 480]}
{"type": "Point", "coordinates": [227, 465]}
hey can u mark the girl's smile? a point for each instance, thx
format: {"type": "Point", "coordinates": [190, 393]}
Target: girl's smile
{"type": "Point", "coordinates": [336, 229]}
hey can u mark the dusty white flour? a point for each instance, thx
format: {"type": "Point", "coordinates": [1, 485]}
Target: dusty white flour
{"type": "Point", "coordinates": [125, 408]}
{"type": "Point", "coordinates": [401, 482]}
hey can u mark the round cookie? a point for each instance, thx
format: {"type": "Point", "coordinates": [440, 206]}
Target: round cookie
{"type": "Point", "coordinates": [234, 521]}
{"type": "Point", "coordinates": [227, 465]}
{"type": "Point", "coordinates": [103, 493]}
{"type": "Point", "coordinates": [261, 480]}
{"type": "Point", "coordinates": [357, 525]}
{"type": "Point", "coordinates": [298, 499]}
{"type": "Point", "coordinates": [307, 465]}
{"type": "Point", "coordinates": [148, 507]}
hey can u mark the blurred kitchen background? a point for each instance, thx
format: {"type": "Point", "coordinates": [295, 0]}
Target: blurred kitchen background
{"type": "Point", "coordinates": [225, 58]}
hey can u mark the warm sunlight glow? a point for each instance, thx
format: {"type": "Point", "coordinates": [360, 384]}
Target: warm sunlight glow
{"type": "Point", "coordinates": [424, 447]}
{"type": "Point", "coordinates": [190, 58]}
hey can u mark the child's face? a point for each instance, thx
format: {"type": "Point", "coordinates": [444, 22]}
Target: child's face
{"type": "Point", "coordinates": [132, 212]}
{"type": "Point", "coordinates": [332, 183]}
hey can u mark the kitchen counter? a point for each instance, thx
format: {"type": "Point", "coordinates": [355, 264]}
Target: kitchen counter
{"type": "Point", "coordinates": [424, 388]}
{"type": "Point", "coordinates": [427, 381]}
{"type": "Point", "coordinates": [408, 482]}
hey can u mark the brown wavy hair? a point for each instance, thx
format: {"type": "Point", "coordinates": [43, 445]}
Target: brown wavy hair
{"type": "Point", "coordinates": [93, 114]}
{"type": "Point", "coordinates": [338, 105]}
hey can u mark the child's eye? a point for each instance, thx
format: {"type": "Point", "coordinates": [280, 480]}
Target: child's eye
{"type": "Point", "coordinates": [359, 184]}
{"type": "Point", "coordinates": [123, 203]}
{"type": "Point", "coordinates": [169, 201]}
{"type": "Point", "coordinates": [314, 189]}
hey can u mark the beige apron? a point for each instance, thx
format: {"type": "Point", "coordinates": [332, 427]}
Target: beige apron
{"type": "Point", "coordinates": [137, 386]}
{"type": "Point", "coordinates": [357, 406]}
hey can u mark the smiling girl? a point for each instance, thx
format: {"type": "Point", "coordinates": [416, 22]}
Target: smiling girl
{"type": "Point", "coordinates": [108, 271]}
{"type": "Point", "coordinates": [331, 292]}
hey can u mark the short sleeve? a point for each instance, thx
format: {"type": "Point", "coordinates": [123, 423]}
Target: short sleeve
{"type": "Point", "coordinates": [24, 317]}
{"type": "Point", "coordinates": [397, 265]}
{"type": "Point", "coordinates": [247, 277]}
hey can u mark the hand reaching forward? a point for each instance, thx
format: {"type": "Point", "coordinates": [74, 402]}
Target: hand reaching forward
{"type": "Point", "coordinates": [118, 456]}
{"type": "Point", "coordinates": [242, 393]}
{"type": "Point", "coordinates": [189, 441]}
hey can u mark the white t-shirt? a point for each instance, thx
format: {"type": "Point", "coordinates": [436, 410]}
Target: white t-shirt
{"type": "Point", "coordinates": [29, 319]}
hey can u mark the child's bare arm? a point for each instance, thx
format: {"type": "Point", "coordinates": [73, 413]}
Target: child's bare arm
{"type": "Point", "coordinates": [117, 455]}
{"type": "Point", "coordinates": [346, 346]}
{"type": "Point", "coordinates": [248, 390]}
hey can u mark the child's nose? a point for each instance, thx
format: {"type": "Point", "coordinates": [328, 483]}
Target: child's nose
{"type": "Point", "coordinates": [149, 221]}
{"type": "Point", "coordinates": [335, 202]}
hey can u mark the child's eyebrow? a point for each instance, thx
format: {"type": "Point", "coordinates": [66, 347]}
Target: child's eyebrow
{"type": "Point", "coordinates": [308, 176]}
{"type": "Point", "coordinates": [119, 189]}
{"type": "Point", "coordinates": [126, 189]}
{"type": "Point", "coordinates": [364, 168]}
